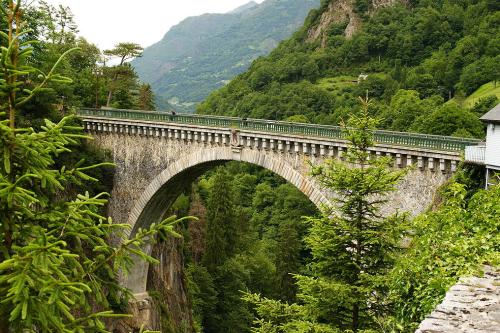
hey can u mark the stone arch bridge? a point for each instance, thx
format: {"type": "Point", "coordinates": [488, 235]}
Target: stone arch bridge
{"type": "Point", "coordinates": [157, 155]}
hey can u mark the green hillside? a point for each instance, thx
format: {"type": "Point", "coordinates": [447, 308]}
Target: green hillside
{"type": "Point", "coordinates": [486, 90]}
{"type": "Point", "coordinates": [203, 53]}
{"type": "Point", "coordinates": [417, 55]}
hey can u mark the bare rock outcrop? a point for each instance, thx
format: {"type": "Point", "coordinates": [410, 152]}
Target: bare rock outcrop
{"type": "Point", "coordinates": [343, 12]}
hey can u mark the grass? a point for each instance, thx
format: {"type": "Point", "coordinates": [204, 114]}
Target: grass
{"type": "Point", "coordinates": [337, 83]}
{"type": "Point", "coordinates": [485, 90]}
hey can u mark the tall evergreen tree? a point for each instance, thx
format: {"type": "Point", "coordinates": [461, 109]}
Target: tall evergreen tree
{"type": "Point", "coordinates": [146, 98]}
{"type": "Point", "coordinates": [352, 245]}
{"type": "Point", "coordinates": [124, 52]}
{"type": "Point", "coordinates": [221, 229]}
{"type": "Point", "coordinates": [287, 260]}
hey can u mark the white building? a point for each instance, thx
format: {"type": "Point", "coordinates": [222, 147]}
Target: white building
{"type": "Point", "coordinates": [488, 154]}
{"type": "Point", "coordinates": [492, 154]}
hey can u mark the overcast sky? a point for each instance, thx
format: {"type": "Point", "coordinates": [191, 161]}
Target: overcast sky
{"type": "Point", "coordinates": [107, 22]}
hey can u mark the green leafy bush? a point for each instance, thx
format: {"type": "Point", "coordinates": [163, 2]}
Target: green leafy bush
{"type": "Point", "coordinates": [448, 243]}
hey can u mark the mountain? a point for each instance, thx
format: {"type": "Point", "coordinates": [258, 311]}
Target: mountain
{"type": "Point", "coordinates": [203, 53]}
{"type": "Point", "coordinates": [413, 58]}
{"type": "Point", "coordinates": [248, 5]}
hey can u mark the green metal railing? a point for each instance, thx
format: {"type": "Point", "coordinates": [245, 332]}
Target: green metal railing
{"type": "Point", "coordinates": [434, 142]}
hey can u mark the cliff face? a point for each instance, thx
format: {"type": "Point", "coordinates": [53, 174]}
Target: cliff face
{"type": "Point", "coordinates": [165, 307]}
{"type": "Point", "coordinates": [343, 12]}
{"type": "Point", "coordinates": [171, 308]}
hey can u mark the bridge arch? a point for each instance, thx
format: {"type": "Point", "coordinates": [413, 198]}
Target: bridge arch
{"type": "Point", "coordinates": [166, 186]}
{"type": "Point", "coordinates": [157, 155]}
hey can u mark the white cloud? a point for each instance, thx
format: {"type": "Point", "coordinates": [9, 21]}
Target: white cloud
{"type": "Point", "coordinates": [107, 22]}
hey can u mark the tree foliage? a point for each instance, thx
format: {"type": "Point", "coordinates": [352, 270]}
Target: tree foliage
{"type": "Point", "coordinates": [450, 242]}
{"type": "Point", "coordinates": [221, 230]}
{"type": "Point", "coordinates": [267, 246]}
{"type": "Point", "coordinates": [58, 270]}
{"type": "Point", "coordinates": [352, 246]}
{"type": "Point", "coordinates": [442, 50]}
{"type": "Point", "coordinates": [146, 99]}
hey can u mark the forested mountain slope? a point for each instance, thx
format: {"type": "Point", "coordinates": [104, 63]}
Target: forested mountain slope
{"type": "Point", "coordinates": [202, 53]}
{"type": "Point", "coordinates": [417, 56]}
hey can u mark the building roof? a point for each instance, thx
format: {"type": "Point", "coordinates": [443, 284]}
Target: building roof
{"type": "Point", "coordinates": [492, 116]}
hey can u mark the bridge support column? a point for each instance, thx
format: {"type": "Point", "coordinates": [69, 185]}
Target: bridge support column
{"type": "Point", "coordinates": [431, 163]}
{"type": "Point", "coordinates": [141, 309]}
{"type": "Point", "coordinates": [409, 160]}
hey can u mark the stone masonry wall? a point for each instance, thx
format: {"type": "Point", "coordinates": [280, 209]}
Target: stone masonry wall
{"type": "Point", "coordinates": [139, 160]}
{"type": "Point", "coordinates": [470, 306]}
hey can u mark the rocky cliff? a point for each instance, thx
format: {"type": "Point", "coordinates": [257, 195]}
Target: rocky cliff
{"type": "Point", "coordinates": [346, 13]}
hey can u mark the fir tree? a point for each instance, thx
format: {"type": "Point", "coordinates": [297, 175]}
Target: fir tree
{"type": "Point", "coordinates": [56, 266]}
{"type": "Point", "coordinates": [352, 245]}
{"type": "Point", "coordinates": [146, 98]}
{"type": "Point", "coordinates": [221, 229]}
{"type": "Point", "coordinates": [287, 260]}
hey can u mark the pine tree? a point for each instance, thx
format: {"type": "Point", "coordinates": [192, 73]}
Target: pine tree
{"type": "Point", "coordinates": [221, 229]}
{"type": "Point", "coordinates": [352, 245]}
{"type": "Point", "coordinates": [122, 51]}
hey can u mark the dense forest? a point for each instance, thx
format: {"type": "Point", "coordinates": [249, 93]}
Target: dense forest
{"type": "Point", "coordinates": [94, 82]}
{"type": "Point", "coordinates": [419, 61]}
{"type": "Point", "coordinates": [249, 238]}
{"type": "Point", "coordinates": [260, 257]}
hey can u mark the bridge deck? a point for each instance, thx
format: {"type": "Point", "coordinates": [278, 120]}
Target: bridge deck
{"type": "Point", "coordinates": [434, 142]}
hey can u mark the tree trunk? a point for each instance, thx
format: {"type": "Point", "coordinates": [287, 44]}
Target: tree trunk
{"type": "Point", "coordinates": [355, 317]}
{"type": "Point", "coordinates": [110, 94]}
{"type": "Point", "coordinates": [4, 327]}
{"type": "Point", "coordinates": [115, 78]}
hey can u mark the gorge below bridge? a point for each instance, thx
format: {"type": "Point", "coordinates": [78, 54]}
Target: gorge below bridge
{"type": "Point", "coordinates": [158, 156]}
